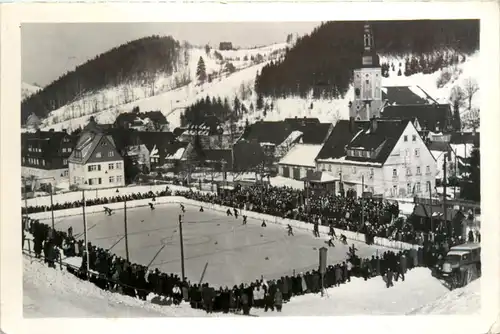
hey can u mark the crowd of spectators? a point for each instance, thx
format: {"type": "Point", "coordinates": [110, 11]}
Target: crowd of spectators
{"type": "Point", "coordinates": [111, 272]}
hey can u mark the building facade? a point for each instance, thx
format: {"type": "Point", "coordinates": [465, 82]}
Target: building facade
{"type": "Point", "coordinates": [96, 162]}
{"type": "Point", "coordinates": [44, 156]}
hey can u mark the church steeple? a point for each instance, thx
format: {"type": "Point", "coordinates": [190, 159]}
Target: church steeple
{"type": "Point", "coordinates": [370, 57]}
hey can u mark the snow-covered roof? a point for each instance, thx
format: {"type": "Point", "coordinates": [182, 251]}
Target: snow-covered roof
{"type": "Point", "coordinates": [343, 160]}
{"type": "Point", "coordinates": [301, 155]}
{"type": "Point", "coordinates": [177, 155]}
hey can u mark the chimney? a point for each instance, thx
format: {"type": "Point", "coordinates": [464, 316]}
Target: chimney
{"type": "Point", "coordinates": [352, 125]}
{"type": "Point", "coordinates": [373, 125]}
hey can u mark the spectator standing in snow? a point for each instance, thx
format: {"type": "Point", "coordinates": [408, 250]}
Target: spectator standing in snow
{"type": "Point", "coordinates": [278, 300]}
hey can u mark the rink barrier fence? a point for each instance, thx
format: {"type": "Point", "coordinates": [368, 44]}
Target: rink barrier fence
{"type": "Point", "coordinates": [360, 237]}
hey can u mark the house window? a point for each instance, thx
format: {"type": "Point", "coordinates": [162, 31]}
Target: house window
{"type": "Point", "coordinates": [354, 170]}
{"type": "Point", "coordinates": [43, 162]}
{"type": "Point", "coordinates": [428, 169]}
{"type": "Point", "coordinates": [111, 154]}
{"type": "Point", "coordinates": [65, 173]}
{"type": "Point", "coordinates": [93, 168]}
{"type": "Point", "coordinates": [418, 187]}
{"type": "Point", "coordinates": [405, 138]}
{"type": "Point", "coordinates": [99, 180]}
{"type": "Point", "coordinates": [417, 152]}
{"type": "Point", "coordinates": [408, 171]}
{"type": "Point", "coordinates": [91, 181]}
{"type": "Point", "coordinates": [394, 172]}
{"type": "Point", "coordinates": [418, 170]}
{"type": "Point", "coordinates": [329, 168]}
{"type": "Point", "coordinates": [65, 162]}
{"type": "Point", "coordinates": [119, 179]}
{"type": "Point", "coordinates": [118, 165]}
{"type": "Point", "coordinates": [408, 188]}
{"type": "Point", "coordinates": [75, 179]}
{"type": "Point", "coordinates": [103, 143]}
{"type": "Point", "coordinates": [98, 155]}
{"type": "Point", "coordinates": [111, 179]}
{"type": "Point", "coordinates": [111, 166]}
{"type": "Point", "coordinates": [414, 138]}
{"type": "Point", "coordinates": [371, 173]}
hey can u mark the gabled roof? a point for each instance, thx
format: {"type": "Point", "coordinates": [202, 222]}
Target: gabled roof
{"type": "Point", "coordinates": [340, 136]}
{"type": "Point", "coordinates": [301, 155]}
{"type": "Point", "coordinates": [158, 139]}
{"type": "Point", "coordinates": [404, 95]}
{"type": "Point", "coordinates": [268, 132]}
{"type": "Point", "coordinates": [51, 141]}
{"type": "Point", "coordinates": [383, 139]}
{"type": "Point", "coordinates": [175, 150]}
{"type": "Point", "coordinates": [87, 144]}
{"type": "Point", "coordinates": [439, 146]}
{"type": "Point", "coordinates": [124, 138]}
{"type": "Point", "coordinates": [247, 155]}
{"type": "Point", "coordinates": [314, 133]}
{"type": "Point", "coordinates": [207, 125]}
{"type": "Point", "coordinates": [131, 117]}
{"type": "Point", "coordinates": [429, 116]}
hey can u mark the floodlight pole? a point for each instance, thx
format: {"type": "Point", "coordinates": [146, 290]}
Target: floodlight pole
{"type": "Point", "coordinates": [126, 229]}
{"type": "Point", "coordinates": [182, 247]}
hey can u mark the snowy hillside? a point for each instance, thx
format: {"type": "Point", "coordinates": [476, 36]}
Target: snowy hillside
{"type": "Point", "coordinates": [466, 300]}
{"type": "Point", "coordinates": [241, 83]}
{"type": "Point", "coordinates": [329, 110]}
{"type": "Point", "coordinates": [173, 93]}
{"type": "Point", "coordinates": [27, 90]}
{"type": "Point", "coordinates": [54, 293]}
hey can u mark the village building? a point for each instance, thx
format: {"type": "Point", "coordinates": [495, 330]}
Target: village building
{"type": "Point", "coordinates": [44, 156]}
{"type": "Point", "coordinates": [33, 122]}
{"type": "Point", "coordinates": [96, 161]}
{"type": "Point", "coordinates": [142, 121]}
{"type": "Point", "coordinates": [298, 161]}
{"type": "Point", "coordinates": [381, 157]}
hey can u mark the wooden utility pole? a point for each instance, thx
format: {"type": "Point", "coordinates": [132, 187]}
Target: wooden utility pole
{"type": "Point", "coordinates": [362, 201]}
{"type": "Point", "coordinates": [85, 233]}
{"type": "Point", "coordinates": [445, 183]}
{"type": "Point", "coordinates": [52, 207]}
{"type": "Point", "coordinates": [126, 229]}
{"type": "Point", "coordinates": [430, 203]}
{"type": "Point", "coordinates": [182, 247]}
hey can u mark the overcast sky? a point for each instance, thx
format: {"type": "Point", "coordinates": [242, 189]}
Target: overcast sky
{"type": "Point", "coordinates": [51, 49]}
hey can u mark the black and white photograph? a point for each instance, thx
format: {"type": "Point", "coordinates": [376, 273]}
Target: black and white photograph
{"type": "Point", "coordinates": [251, 169]}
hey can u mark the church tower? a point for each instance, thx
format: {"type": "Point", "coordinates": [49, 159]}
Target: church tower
{"type": "Point", "coordinates": [367, 82]}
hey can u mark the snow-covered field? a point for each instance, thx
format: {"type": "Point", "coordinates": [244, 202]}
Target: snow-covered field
{"type": "Point", "coordinates": [28, 89]}
{"type": "Point", "coordinates": [235, 253]}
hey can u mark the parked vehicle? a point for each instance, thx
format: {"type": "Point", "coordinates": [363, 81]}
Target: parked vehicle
{"type": "Point", "coordinates": [462, 264]}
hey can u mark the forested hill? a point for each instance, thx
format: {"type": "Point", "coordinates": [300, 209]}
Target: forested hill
{"type": "Point", "coordinates": [322, 62]}
{"type": "Point", "coordinates": [138, 60]}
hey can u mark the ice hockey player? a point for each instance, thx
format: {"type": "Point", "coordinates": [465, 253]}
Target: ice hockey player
{"type": "Point", "coordinates": [343, 239]}
{"type": "Point", "coordinates": [316, 229]}
{"type": "Point", "coordinates": [244, 220]}
{"type": "Point", "coordinates": [332, 231]}
{"type": "Point", "coordinates": [183, 209]}
{"type": "Point", "coordinates": [263, 223]}
{"type": "Point", "coordinates": [151, 206]}
{"type": "Point", "coordinates": [201, 209]}
{"type": "Point", "coordinates": [108, 211]}
{"type": "Point", "coordinates": [229, 213]}
{"type": "Point", "coordinates": [70, 232]}
{"type": "Point", "coordinates": [290, 230]}
{"type": "Point", "coordinates": [330, 242]}
{"type": "Point", "coordinates": [235, 213]}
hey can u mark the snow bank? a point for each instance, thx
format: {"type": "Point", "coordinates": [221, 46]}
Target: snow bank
{"type": "Point", "coordinates": [54, 293]}
{"type": "Point", "coordinates": [466, 300]}
{"type": "Point", "coordinates": [370, 297]}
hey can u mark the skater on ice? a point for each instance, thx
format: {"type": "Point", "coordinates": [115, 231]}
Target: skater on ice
{"type": "Point", "coordinates": [108, 211]}
{"type": "Point", "coordinates": [330, 242]}
{"type": "Point", "coordinates": [244, 220]}
{"type": "Point", "coordinates": [201, 209]}
{"type": "Point", "coordinates": [151, 206]}
{"type": "Point", "coordinates": [316, 229]}
{"type": "Point", "coordinates": [229, 213]}
{"type": "Point", "coordinates": [183, 209]}
{"type": "Point", "coordinates": [263, 223]}
{"type": "Point", "coordinates": [290, 230]}
{"type": "Point", "coordinates": [343, 239]}
{"type": "Point", "coordinates": [235, 213]}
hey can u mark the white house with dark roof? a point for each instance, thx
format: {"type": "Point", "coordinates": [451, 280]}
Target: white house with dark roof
{"type": "Point", "coordinates": [387, 157]}
{"type": "Point", "coordinates": [300, 159]}
{"type": "Point", "coordinates": [96, 162]}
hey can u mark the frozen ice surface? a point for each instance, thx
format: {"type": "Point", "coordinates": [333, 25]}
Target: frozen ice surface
{"type": "Point", "coordinates": [235, 253]}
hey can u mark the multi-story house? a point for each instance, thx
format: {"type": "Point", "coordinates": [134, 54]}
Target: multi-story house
{"type": "Point", "coordinates": [96, 161]}
{"type": "Point", "coordinates": [381, 157]}
{"type": "Point", "coordinates": [44, 156]}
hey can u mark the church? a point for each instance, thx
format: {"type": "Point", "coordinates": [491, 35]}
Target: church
{"type": "Point", "coordinates": [377, 152]}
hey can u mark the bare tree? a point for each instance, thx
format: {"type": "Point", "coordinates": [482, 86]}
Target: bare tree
{"type": "Point", "coordinates": [470, 89]}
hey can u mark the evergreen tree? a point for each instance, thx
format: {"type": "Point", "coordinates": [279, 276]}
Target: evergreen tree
{"type": "Point", "coordinates": [260, 102]}
{"type": "Point", "coordinates": [471, 189]}
{"type": "Point", "coordinates": [201, 73]}
{"type": "Point", "coordinates": [237, 106]}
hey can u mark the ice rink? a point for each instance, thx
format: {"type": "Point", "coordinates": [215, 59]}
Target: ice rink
{"type": "Point", "coordinates": [235, 253]}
